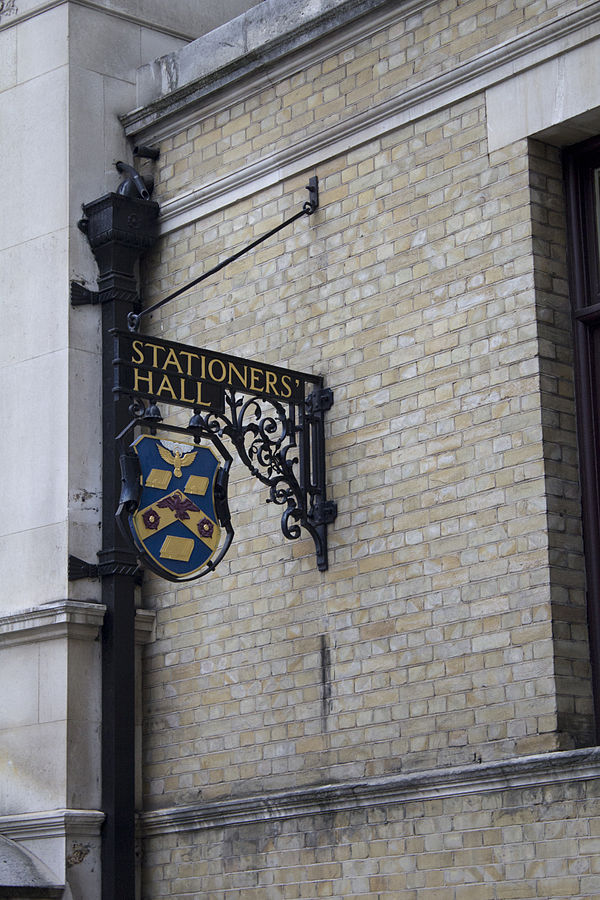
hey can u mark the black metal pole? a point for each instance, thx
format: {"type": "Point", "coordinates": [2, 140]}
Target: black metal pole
{"type": "Point", "coordinates": [119, 229]}
{"type": "Point", "coordinates": [118, 648]}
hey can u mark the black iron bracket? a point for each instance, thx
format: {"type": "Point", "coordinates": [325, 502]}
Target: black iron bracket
{"type": "Point", "coordinates": [112, 562]}
{"type": "Point", "coordinates": [82, 296]}
{"type": "Point", "coordinates": [308, 208]}
{"type": "Point", "coordinates": [78, 568]}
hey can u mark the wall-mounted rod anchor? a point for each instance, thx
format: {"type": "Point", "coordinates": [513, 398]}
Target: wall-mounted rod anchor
{"type": "Point", "coordinates": [313, 195]}
{"type": "Point", "coordinates": [146, 152]}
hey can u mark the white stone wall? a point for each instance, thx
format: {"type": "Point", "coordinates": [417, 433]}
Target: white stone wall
{"type": "Point", "coordinates": [67, 71]}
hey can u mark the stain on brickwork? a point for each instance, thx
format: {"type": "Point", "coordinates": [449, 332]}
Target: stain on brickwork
{"type": "Point", "coordinates": [325, 679]}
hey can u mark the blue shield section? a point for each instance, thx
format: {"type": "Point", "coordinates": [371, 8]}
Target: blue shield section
{"type": "Point", "coordinates": [175, 526]}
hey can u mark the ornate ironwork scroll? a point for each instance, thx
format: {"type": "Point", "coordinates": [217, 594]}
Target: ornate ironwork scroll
{"type": "Point", "coordinates": [283, 447]}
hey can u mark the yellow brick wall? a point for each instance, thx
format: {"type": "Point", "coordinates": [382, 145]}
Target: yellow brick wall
{"type": "Point", "coordinates": [510, 845]}
{"type": "Point", "coordinates": [429, 290]}
{"type": "Point", "coordinates": [413, 291]}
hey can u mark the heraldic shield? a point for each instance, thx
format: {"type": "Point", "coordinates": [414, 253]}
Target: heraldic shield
{"type": "Point", "coordinates": [175, 525]}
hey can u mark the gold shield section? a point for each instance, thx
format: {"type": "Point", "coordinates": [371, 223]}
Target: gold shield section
{"type": "Point", "coordinates": [196, 484]}
{"type": "Point", "coordinates": [163, 517]}
{"type": "Point", "coordinates": [177, 548]}
{"type": "Point", "coordinates": [159, 478]}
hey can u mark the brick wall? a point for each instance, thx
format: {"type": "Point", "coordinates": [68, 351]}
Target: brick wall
{"type": "Point", "coordinates": [516, 843]}
{"type": "Point", "coordinates": [413, 291]}
{"type": "Point", "coordinates": [430, 291]}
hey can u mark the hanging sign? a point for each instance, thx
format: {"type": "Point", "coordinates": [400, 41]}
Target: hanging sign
{"type": "Point", "coordinates": [174, 496]}
{"type": "Point", "coordinates": [183, 375]}
{"type": "Point", "coordinates": [173, 505]}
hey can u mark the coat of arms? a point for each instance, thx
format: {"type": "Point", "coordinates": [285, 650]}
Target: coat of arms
{"type": "Point", "coordinates": [175, 526]}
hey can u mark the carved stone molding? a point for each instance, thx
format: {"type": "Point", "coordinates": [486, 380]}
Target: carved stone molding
{"type": "Point", "coordinates": [515, 774]}
{"type": "Point", "coordinates": [174, 113]}
{"type": "Point", "coordinates": [52, 823]}
{"type": "Point", "coordinates": [58, 619]}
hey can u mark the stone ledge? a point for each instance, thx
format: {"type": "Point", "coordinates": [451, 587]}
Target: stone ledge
{"type": "Point", "coordinates": [52, 823]}
{"type": "Point", "coordinates": [66, 618]}
{"type": "Point", "coordinates": [527, 772]}
{"type": "Point", "coordinates": [57, 619]}
{"type": "Point", "coordinates": [245, 47]}
{"type": "Point", "coordinates": [479, 74]}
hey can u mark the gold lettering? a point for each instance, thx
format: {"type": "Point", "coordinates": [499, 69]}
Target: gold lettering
{"type": "Point", "coordinates": [182, 396]}
{"type": "Point", "coordinates": [243, 378]}
{"type": "Point", "coordinates": [155, 349]}
{"type": "Point", "coordinates": [172, 360]}
{"type": "Point", "coordinates": [211, 366]}
{"type": "Point", "coordinates": [254, 374]}
{"type": "Point", "coordinates": [190, 356]}
{"type": "Point", "coordinates": [199, 399]}
{"type": "Point", "coordinates": [271, 382]}
{"type": "Point", "coordinates": [137, 348]}
{"type": "Point", "coordinates": [203, 367]}
{"type": "Point", "coordinates": [136, 381]}
{"type": "Point", "coordinates": [166, 385]}
{"type": "Point", "coordinates": [285, 383]}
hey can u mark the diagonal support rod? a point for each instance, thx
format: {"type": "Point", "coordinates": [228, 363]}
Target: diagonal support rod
{"type": "Point", "coordinates": [308, 208]}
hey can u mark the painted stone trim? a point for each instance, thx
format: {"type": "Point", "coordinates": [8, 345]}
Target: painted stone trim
{"type": "Point", "coordinates": [52, 823]}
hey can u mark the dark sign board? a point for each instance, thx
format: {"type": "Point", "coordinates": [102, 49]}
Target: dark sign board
{"type": "Point", "coordinates": [184, 375]}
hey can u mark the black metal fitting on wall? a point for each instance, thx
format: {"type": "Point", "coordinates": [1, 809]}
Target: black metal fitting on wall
{"type": "Point", "coordinates": [146, 152]}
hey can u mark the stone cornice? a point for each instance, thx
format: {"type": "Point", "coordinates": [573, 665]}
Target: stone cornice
{"type": "Point", "coordinates": [89, 4]}
{"type": "Point", "coordinates": [58, 619]}
{"type": "Point", "coordinates": [160, 120]}
{"type": "Point", "coordinates": [52, 823]}
{"type": "Point", "coordinates": [66, 618]}
{"type": "Point", "coordinates": [526, 772]}
{"type": "Point", "coordinates": [242, 74]}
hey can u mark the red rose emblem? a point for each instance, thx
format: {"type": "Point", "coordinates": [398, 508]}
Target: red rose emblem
{"type": "Point", "coordinates": [151, 519]}
{"type": "Point", "coordinates": [205, 528]}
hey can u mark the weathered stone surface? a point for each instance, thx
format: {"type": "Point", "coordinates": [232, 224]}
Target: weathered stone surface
{"type": "Point", "coordinates": [22, 875]}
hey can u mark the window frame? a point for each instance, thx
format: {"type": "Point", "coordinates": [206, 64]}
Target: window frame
{"type": "Point", "coordinates": [583, 209]}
